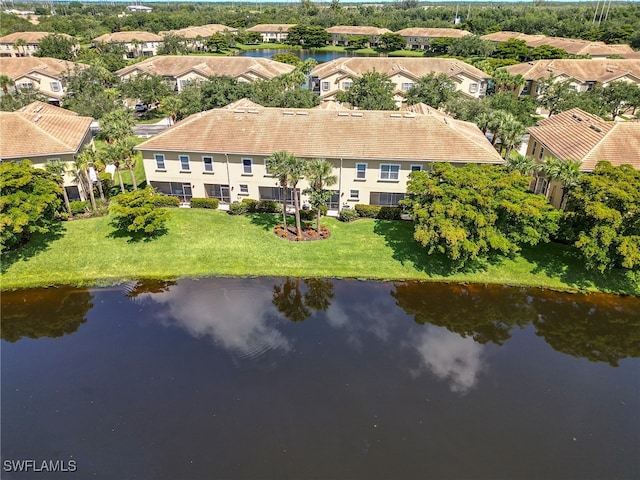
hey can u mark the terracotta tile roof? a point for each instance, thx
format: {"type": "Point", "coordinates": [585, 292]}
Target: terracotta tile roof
{"type": "Point", "coordinates": [416, 67]}
{"type": "Point", "coordinates": [433, 32]}
{"type": "Point", "coordinates": [570, 45]}
{"type": "Point", "coordinates": [317, 133]}
{"type": "Point", "coordinates": [204, 31]}
{"type": "Point", "coordinates": [177, 65]}
{"type": "Point", "coordinates": [357, 30]}
{"type": "Point", "coordinates": [127, 37]}
{"type": "Point", "coordinates": [15, 67]}
{"type": "Point", "coordinates": [598, 70]}
{"type": "Point", "coordinates": [29, 37]}
{"type": "Point", "coordinates": [578, 135]}
{"type": "Point", "coordinates": [331, 105]}
{"type": "Point", "coordinates": [271, 27]}
{"type": "Point", "coordinates": [33, 131]}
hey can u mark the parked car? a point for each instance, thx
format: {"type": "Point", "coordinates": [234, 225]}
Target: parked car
{"type": "Point", "coordinates": [140, 107]}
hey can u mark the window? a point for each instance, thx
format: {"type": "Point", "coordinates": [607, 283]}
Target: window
{"type": "Point", "coordinates": [28, 85]}
{"type": "Point", "coordinates": [385, 199]}
{"type": "Point", "coordinates": [416, 168]}
{"type": "Point", "coordinates": [207, 163]}
{"type": "Point", "coordinates": [55, 86]}
{"type": "Point", "coordinates": [361, 171]}
{"type": "Point", "coordinates": [590, 86]}
{"type": "Point", "coordinates": [354, 194]}
{"type": "Point", "coordinates": [184, 163]}
{"type": "Point", "coordinates": [325, 86]}
{"type": "Point", "coordinates": [160, 162]}
{"type": "Point", "coordinates": [389, 172]}
{"type": "Point", "coordinates": [221, 192]}
{"type": "Point", "coordinates": [473, 88]}
{"type": "Point", "coordinates": [244, 189]}
{"type": "Point", "coordinates": [406, 86]}
{"type": "Point", "coordinates": [267, 173]}
{"type": "Point", "coordinates": [348, 85]}
{"type": "Point", "coordinates": [541, 153]}
{"type": "Point", "coordinates": [533, 151]}
{"type": "Point", "coordinates": [247, 166]}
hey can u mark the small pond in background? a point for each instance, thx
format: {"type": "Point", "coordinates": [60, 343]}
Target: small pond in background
{"type": "Point", "coordinates": [319, 56]}
{"type": "Point", "coordinates": [294, 378]}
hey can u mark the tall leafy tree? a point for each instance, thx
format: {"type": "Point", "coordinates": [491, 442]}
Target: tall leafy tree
{"type": "Point", "coordinates": [390, 41]}
{"type": "Point", "coordinates": [29, 202]}
{"type": "Point", "coordinates": [56, 46]}
{"type": "Point", "coordinates": [146, 87]}
{"type": "Point", "coordinates": [309, 36]}
{"type": "Point", "coordinates": [602, 218]}
{"type": "Point", "coordinates": [553, 93]}
{"type": "Point", "coordinates": [372, 91]}
{"type": "Point", "coordinates": [320, 176]}
{"type": "Point", "coordinates": [474, 211]}
{"type": "Point", "coordinates": [433, 89]}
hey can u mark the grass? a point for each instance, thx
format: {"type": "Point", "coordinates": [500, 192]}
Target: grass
{"type": "Point", "coordinates": [212, 243]}
{"type": "Point", "coordinates": [138, 170]}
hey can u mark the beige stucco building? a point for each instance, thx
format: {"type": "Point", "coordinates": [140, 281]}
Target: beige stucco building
{"type": "Point", "coordinates": [580, 136]}
{"type": "Point", "coordinates": [27, 44]}
{"type": "Point", "coordinates": [45, 75]}
{"type": "Point", "coordinates": [272, 32]}
{"type": "Point", "coordinates": [136, 44]}
{"type": "Point", "coordinates": [222, 153]}
{"type": "Point", "coordinates": [340, 34]}
{"type": "Point", "coordinates": [329, 78]}
{"type": "Point", "coordinates": [41, 132]}
{"type": "Point", "coordinates": [420, 38]}
{"type": "Point", "coordinates": [195, 38]}
{"type": "Point", "coordinates": [180, 70]}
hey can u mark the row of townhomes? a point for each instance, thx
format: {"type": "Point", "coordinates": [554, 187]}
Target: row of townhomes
{"type": "Point", "coordinates": [196, 37]}
{"type": "Point", "coordinates": [221, 153]}
{"type": "Point", "coordinates": [25, 44]}
{"type": "Point", "coordinates": [41, 132]}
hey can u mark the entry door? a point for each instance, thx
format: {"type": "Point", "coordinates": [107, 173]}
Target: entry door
{"type": "Point", "coordinates": [186, 192]}
{"type": "Point", "coordinates": [225, 194]}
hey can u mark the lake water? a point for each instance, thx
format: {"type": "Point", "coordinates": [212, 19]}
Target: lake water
{"type": "Point", "coordinates": [290, 378]}
{"type": "Point", "coordinates": [319, 56]}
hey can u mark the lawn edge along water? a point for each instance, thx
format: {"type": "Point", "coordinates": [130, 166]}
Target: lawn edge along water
{"type": "Point", "coordinates": [206, 243]}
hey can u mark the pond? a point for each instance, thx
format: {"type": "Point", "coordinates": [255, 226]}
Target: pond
{"type": "Point", "coordinates": [319, 56]}
{"type": "Point", "coordinates": [303, 378]}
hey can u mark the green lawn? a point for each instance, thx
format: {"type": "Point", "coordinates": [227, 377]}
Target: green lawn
{"type": "Point", "coordinates": [213, 243]}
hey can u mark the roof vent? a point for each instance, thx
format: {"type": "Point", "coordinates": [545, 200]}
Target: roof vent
{"type": "Point", "coordinates": [288, 113]}
{"type": "Point", "coordinates": [597, 129]}
{"type": "Point", "coordinates": [343, 114]}
{"type": "Point", "coordinates": [357, 114]}
{"type": "Point", "coordinates": [253, 111]}
{"type": "Point", "coordinates": [609, 69]}
{"type": "Point", "coordinates": [395, 115]}
{"type": "Point", "coordinates": [237, 110]}
{"type": "Point", "coordinates": [38, 117]}
{"type": "Point", "coordinates": [576, 117]}
{"type": "Point", "coordinates": [411, 115]}
{"type": "Point", "coordinates": [302, 113]}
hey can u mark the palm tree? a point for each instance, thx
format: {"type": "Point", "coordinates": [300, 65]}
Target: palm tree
{"type": "Point", "coordinates": [320, 176]}
{"type": "Point", "coordinates": [20, 44]}
{"type": "Point", "coordinates": [278, 165]}
{"type": "Point", "coordinates": [503, 81]}
{"type": "Point", "coordinates": [114, 157]}
{"type": "Point", "coordinates": [512, 131]}
{"type": "Point", "coordinates": [567, 172]}
{"type": "Point", "coordinates": [527, 166]}
{"type": "Point", "coordinates": [297, 168]}
{"type": "Point", "coordinates": [496, 119]}
{"type": "Point", "coordinates": [5, 83]}
{"type": "Point", "coordinates": [116, 124]}
{"type": "Point", "coordinates": [129, 157]}
{"type": "Point", "coordinates": [171, 107]}
{"type": "Point", "coordinates": [82, 164]}
{"type": "Point", "coordinates": [58, 168]}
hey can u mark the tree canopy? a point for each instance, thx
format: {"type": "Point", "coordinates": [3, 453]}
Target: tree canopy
{"type": "Point", "coordinates": [434, 89]}
{"type": "Point", "coordinates": [471, 212]}
{"type": "Point", "coordinates": [371, 91]}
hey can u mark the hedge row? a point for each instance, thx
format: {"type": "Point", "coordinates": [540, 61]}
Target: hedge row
{"type": "Point", "coordinates": [211, 203]}
{"type": "Point", "coordinates": [382, 213]}
{"type": "Point", "coordinates": [165, 201]}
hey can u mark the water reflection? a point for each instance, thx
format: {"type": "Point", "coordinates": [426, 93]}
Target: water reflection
{"type": "Point", "coordinates": [238, 317]}
{"type": "Point", "coordinates": [43, 312]}
{"type": "Point", "coordinates": [297, 305]}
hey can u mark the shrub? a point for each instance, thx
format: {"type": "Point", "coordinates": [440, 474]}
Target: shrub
{"type": "Point", "coordinates": [165, 201]}
{"type": "Point", "coordinates": [251, 205]}
{"type": "Point", "coordinates": [368, 211]}
{"type": "Point", "coordinates": [268, 206]}
{"type": "Point", "coordinates": [211, 203]}
{"type": "Point", "coordinates": [107, 183]}
{"type": "Point", "coordinates": [307, 215]}
{"type": "Point", "coordinates": [135, 212]}
{"type": "Point", "coordinates": [238, 208]}
{"type": "Point", "coordinates": [382, 213]}
{"type": "Point", "coordinates": [348, 215]}
{"type": "Point", "coordinates": [79, 207]}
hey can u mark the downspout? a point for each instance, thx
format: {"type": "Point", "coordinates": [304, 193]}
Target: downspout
{"type": "Point", "coordinates": [340, 188]}
{"type": "Point", "coordinates": [226, 156]}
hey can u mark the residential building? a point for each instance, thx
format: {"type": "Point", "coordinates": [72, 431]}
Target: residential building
{"type": "Point", "coordinates": [45, 75]}
{"type": "Point", "coordinates": [180, 70]}
{"type": "Point", "coordinates": [329, 78]}
{"type": "Point", "coordinates": [222, 153]}
{"type": "Point", "coordinates": [136, 44]}
{"type": "Point", "coordinates": [580, 136]}
{"type": "Point", "coordinates": [420, 38]}
{"type": "Point", "coordinates": [40, 132]}
{"type": "Point", "coordinates": [26, 44]}
{"type": "Point", "coordinates": [272, 32]}
{"type": "Point", "coordinates": [583, 74]}
{"type": "Point", "coordinates": [196, 37]}
{"type": "Point", "coordinates": [570, 45]}
{"type": "Point", "coordinates": [341, 34]}
{"type": "Point", "coordinates": [139, 8]}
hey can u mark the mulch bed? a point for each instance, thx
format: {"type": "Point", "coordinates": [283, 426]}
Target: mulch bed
{"type": "Point", "coordinates": [308, 234]}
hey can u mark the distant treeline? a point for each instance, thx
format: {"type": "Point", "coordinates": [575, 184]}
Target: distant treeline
{"type": "Point", "coordinates": [90, 20]}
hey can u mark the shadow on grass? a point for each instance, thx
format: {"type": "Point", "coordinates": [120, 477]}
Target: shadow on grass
{"type": "Point", "coordinates": [268, 221]}
{"type": "Point", "coordinates": [38, 243]}
{"type": "Point", "coordinates": [135, 237]}
{"type": "Point", "coordinates": [398, 235]}
{"type": "Point", "coordinates": [565, 263]}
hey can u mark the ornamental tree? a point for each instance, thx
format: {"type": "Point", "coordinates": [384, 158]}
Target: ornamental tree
{"type": "Point", "coordinates": [471, 212]}
{"type": "Point", "coordinates": [134, 212]}
{"type": "Point", "coordinates": [433, 89]}
{"type": "Point", "coordinates": [372, 91]}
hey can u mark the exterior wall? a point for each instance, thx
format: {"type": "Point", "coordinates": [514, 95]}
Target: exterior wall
{"type": "Point", "coordinates": [416, 43]}
{"type": "Point", "coordinates": [552, 190]}
{"type": "Point", "coordinates": [10, 50]}
{"type": "Point", "coordinates": [274, 37]}
{"type": "Point", "coordinates": [49, 86]}
{"type": "Point", "coordinates": [190, 77]}
{"type": "Point", "coordinates": [343, 39]}
{"type": "Point", "coordinates": [228, 170]}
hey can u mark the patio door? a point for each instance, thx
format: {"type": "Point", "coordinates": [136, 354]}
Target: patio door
{"type": "Point", "coordinates": [225, 194]}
